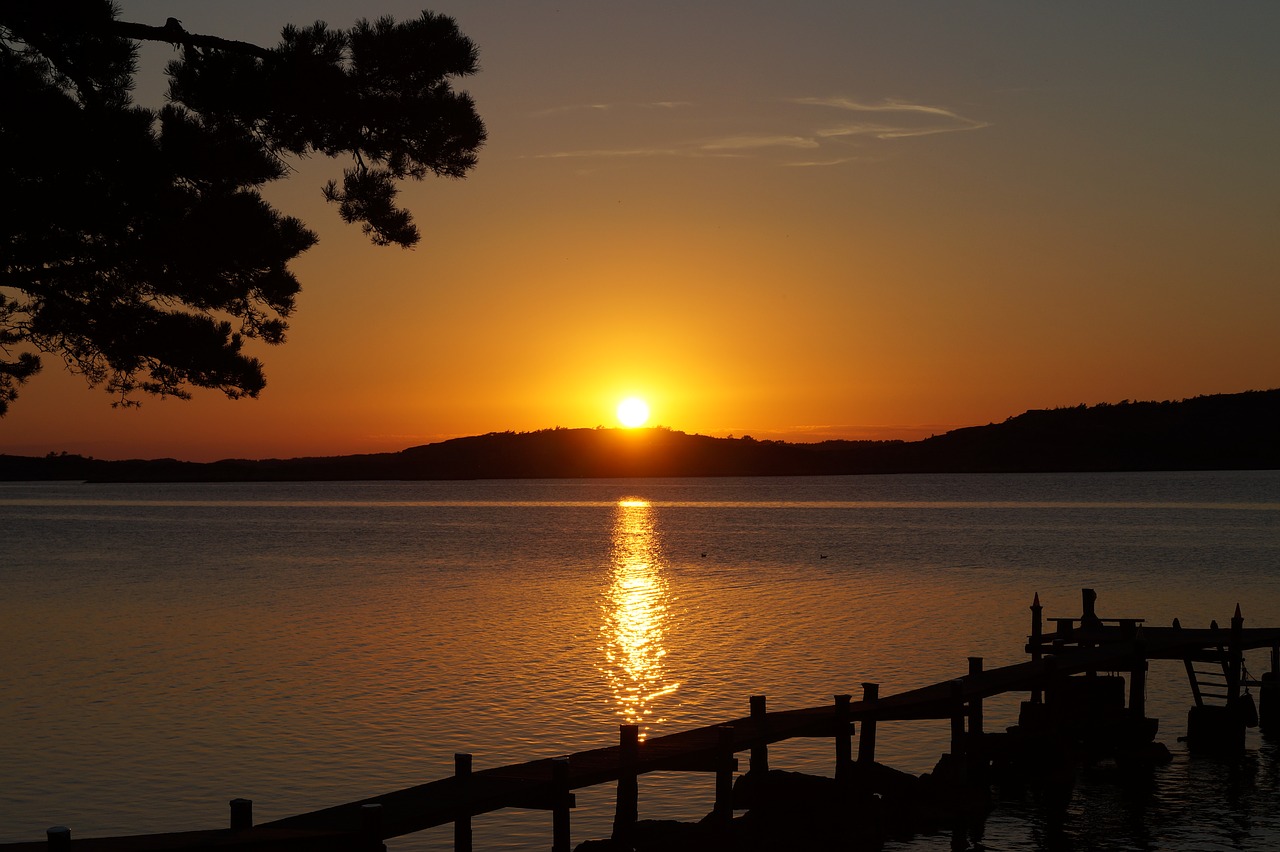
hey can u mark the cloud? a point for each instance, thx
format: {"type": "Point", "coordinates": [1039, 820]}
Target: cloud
{"type": "Point", "coordinates": [739, 143]}
{"type": "Point", "coordinates": [886, 120]}
{"type": "Point", "coordinates": [569, 108]}
{"type": "Point", "coordinates": [561, 110]}
{"type": "Point", "coordinates": [813, 164]}
{"type": "Point", "coordinates": [610, 153]}
{"type": "Point", "coordinates": [912, 119]}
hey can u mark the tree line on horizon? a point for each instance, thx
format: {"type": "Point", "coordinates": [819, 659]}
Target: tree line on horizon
{"type": "Point", "coordinates": [1217, 432]}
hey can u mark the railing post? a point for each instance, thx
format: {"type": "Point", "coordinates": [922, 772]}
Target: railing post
{"type": "Point", "coordinates": [1037, 632]}
{"type": "Point", "coordinates": [1089, 615]}
{"type": "Point", "coordinates": [59, 838]}
{"type": "Point", "coordinates": [1236, 652]}
{"type": "Point", "coordinates": [462, 834]}
{"type": "Point", "coordinates": [958, 751]}
{"type": "Point", "coordinates": [627, 812]}
{"type": "Point", "coordinates": [241, 814]}
{"type": "Point", "coordinates": [1138, 681]}
{"type": "Point", "coordinates": [867, 737]}
{"type": "Point", "coordinates": [560, 811]}
{"type": "Point", "coordinates": [975, 744]}
{"type": "Point", "coordinates": [371, 827]}
{"type": "Point", "coordinates": [844, 737]}
{"type": "Point", "coordinates": [1269, 694]}
{"type": "Point", "coordinates": [724, 777]}
{"type": "Point", "coordinates": [759, 753]}
{"type": "Point", "coordinates": [975, 703]}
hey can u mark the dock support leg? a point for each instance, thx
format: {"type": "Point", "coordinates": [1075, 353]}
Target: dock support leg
{"type": "Point", "coordinates": [1138, 687]}
{"type": "Point", "coordinates": [759, 753]}
{"type": "Point", "coordinates": [371, 828]}
{"type": "Point", "coordinates": [844, 737]}
{"type": "Point", "coordinates": [724, 778]}
{"type": "Point", "coordinates": [58, 838]}
{"type": "Point", "coordinates": [867, 737]}
{"type": "Point", "coordinates": [628, 810]}
{"type": "Point", "coordinates": [560, 813]}
{"type": "Point", "coordinates": [958, 751]}
{"type": "Point", "coordinates": [1037, 634]}
{"type": "Point", "coordinates": [1269, 695]}
{"type": "Point", "coordinates": [241, 814]}
{"type": "Point", "coordinates": [974, 742]}
{"type": "Point", "coordinates": [462, 837]}
{"type": "Point", "coordinates": [975, 704]}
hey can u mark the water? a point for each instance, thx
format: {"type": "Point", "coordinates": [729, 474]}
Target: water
{"type": "Point", "coordinates": [169, 647]}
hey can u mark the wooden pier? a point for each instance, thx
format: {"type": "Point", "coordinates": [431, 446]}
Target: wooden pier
{"type": "Point", "coordinates": [1064, 664]}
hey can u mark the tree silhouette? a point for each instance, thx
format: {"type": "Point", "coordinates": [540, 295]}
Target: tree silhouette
{"type": "Point", "coordinates": [135, 243]}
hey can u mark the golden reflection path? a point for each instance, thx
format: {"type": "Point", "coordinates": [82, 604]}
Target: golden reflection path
{"type": "Point", "coordinates": [634, 611]}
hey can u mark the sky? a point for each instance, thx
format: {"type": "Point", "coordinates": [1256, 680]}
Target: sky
{"type": "Point", "coordinates": [796, 221]}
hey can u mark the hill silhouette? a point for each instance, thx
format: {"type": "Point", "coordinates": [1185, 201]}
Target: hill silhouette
{"type": "Point", "coordinates": [1219, 432]}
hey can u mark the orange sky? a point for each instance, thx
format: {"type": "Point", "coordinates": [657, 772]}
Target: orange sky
{"type": "Point", "coordinates": [823, 219]}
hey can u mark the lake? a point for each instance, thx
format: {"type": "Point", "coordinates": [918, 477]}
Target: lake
{"type": "Point", "coordinates": [170, 647]}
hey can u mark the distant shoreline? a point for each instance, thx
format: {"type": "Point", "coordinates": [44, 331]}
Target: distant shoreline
{"type": "Point", "coordinates": [1219, 432]}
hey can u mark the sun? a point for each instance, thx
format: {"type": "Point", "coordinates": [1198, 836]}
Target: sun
{"type": "Point", "coordinates": [633, 412]}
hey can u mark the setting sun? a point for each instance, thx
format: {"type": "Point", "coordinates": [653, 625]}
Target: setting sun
{"type": "Point", "coordinates": [633, 412]}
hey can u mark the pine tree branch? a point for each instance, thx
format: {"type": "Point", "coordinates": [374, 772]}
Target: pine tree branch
{"type": "Point", "coordinates": [173, 33]}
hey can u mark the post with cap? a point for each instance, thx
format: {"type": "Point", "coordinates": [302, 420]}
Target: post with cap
{"type": "Point", "coordinates": [958, 751]}
{"type": "Point", "coordinates": [1037, 632]}
{"type": "Point", "coordinates": [371, 827]}
{"type": "Point", "coordinates": [1138, 671]}
{"type": "Point", "coordinates": [724, 777]}
{"type": "Point", "coordinates": [975, 743]}
{"type": "Point", "coordinates": [59, 838]}
{"type": "Point", "coordinates": [1236, 655]}
{"type": "Point", "coordinates": [462, 834]}
{"type": "Point", "coordinates": [627, 812]}
{"type": "Point", "coordinates": [561, 804]}
{"type": "Point", "coordinates": [844, 737]}
{"type": "Point", "coordinates": [241, 814]}
{"type": "Point", "coordinates": [867, 736]}
{"type": "Point", "coordinates": [1269, 694]}
{"type": "Point", "coordinates": [760, 718]}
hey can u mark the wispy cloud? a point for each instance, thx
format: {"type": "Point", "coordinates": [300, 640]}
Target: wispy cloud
{"type": "Point", "coordinates": [834, 143]}
{"type": "Point", "coordinates": [603, 107]}
{"type": "Point", "coordinates": [611, 153]}
{"type": "Point", "coordinates": [746, 142]}
{"type": "Point", "coordinates": [815, 164]}
{"type": "Point", "coordinates": [912, 119]}
{"type": "Point", "coordinates": [569, 108]}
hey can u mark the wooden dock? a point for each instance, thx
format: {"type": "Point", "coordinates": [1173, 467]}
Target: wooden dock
{"type": "Point", "coordinates": [1077, 646]}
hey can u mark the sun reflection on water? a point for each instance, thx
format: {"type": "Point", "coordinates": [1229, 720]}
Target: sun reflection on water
{"type": "Point", "coordinates": [634, 613]}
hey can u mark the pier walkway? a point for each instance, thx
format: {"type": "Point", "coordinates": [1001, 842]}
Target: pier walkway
{"type": "Point", "coordinates": [1077, 646]}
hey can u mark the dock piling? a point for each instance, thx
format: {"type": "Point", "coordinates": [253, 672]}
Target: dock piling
{"type": "Point", "coordinates": [627, 812]}
{"type": "Point", "coordinates": [759, 753]}
{"type": "Point", "coordinates": [241, 814]}
{"type": "Point", "coordinates": [1037, 634]}
{"type": "Point", "coordinates": [844, 737]}
{"type": "Point", "coordinates": [867, 737]}
{"type": "Point", "coordinates": [59, 838]}
{"type": "Point", "coordinates": [975, 703]}
{"type": "Point", "coordinates": [958, 750]}
{"type": "Point", "coordinates": [1269, 695]}
{"type": "Point", "coordinates": [371, 828]}
{"type": "Point", "coordinates": [724, 776]}
{"type": "Point", "coordinates": [462, 836]}
{"type": "Point", "coordinates": [562, 798]}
